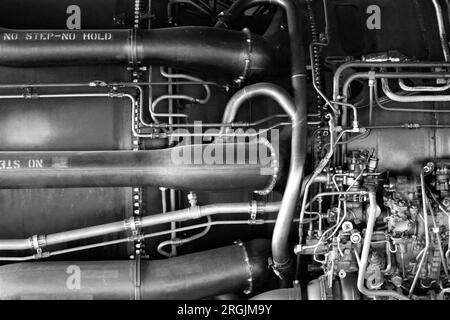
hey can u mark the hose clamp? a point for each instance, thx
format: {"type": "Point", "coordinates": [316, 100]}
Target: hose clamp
{"type": "Point", "coordinates": [195, 212]}
{"type": "Point", "coordinates": [133, 224]}
{"type": "Point", "coordinates": [37, 243]}
{"type": "Point", "coordinates": [280, 269]}
{"type": "Point", "coordinates": [256, 208]}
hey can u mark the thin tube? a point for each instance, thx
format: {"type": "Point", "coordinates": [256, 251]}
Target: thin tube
{"type": "Point", "coordinates": [365, 255]}
{"type": "Point", "coordinates": [427, 238]}
{"type": "Point", "coordinates": [174, 242]}
{"type": "Point", "coordinates": [408, 99]}
{"type": "Point", "coordinates": [360, 64]}
{"type": "Point", "coordinates": [389, 75]}
{"type": "Point", "coordinates": [38, 242]}
{"type": "Point", "coordinates": [141, 237]}
{"type": "Point", "coordinates": [405, 87]}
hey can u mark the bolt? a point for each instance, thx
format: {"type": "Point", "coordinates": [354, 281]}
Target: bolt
{"type": "Point", "coordinates": [355, 238]}
{"type": "Point", "coordinates": [192, 198]}
{"type": "Point", "coordinates": [347, 226]}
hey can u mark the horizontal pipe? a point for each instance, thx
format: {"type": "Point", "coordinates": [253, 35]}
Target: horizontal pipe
{"type": "Point", "coordinates": [390, 75]}
{"type": "Point", "coordinates": [361, 64]}
{"type": "Point", "coordinates": [41, 241]}
{"type": "Point", "coordinates": [394, 75]}
{"type": "Point", "coordinates": [182, 168]}
{"type": "Point", "coordinates": [408, 88]}
{"type": "Point", "coordinates": [236, 268]}
{"type": "Point", "coordinates": [410, 99]}
{"type": "Point", "coordinates": [235, 53]}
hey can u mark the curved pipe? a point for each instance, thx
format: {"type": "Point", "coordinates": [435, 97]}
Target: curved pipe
{"type": "Point", "coordinates": [394, 75]}
{"type": "Point", "coordinates": [235, 53]}
{"type": "Point", "coordinates": [408, 88]}
{"type": "Point", "coordinates": [297, 111]}
{"type": "Point", "coordinates": [372, 216]}
{"type": "Point", "coordinates": [293, 17]}
{"type": "Point", "coordinates": [409, 99]}
{"type": "Point", "coordinates": [240, 267]}
{"type": "Point", "coordinates": [281, 257]}
{"type": "Point", "coordinates": [361, 64]}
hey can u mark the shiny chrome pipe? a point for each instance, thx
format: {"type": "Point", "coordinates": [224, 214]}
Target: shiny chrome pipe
{"type": "Point", "coordinates": [281, 257]}
{"type": "Point", "coordinates": [37, 242]}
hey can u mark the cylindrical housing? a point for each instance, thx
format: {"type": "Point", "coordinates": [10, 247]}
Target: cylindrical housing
{"type": "Point", "coordinates": [234, 53]}
{"type": "Point", "coordinates": [192, 168]}
{"type": "Point", "coordinates": [230, 269]}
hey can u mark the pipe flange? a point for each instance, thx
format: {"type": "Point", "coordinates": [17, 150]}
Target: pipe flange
{"type": "Point", "coordinates": [247, 59]}
{"type": "Point", "coordinates": [133, 55]}
{"type": "Point", "coordinates": [249, 288]}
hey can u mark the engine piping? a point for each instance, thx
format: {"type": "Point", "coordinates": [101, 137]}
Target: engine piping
{"type": "Point", "coordinates": [281, 257]}
{"type": "Point", "coordinates": [238, 54]}
{"type": "Point", "coordinates": [38, 242]}
{"type": "Point", "coordinates": [371, 217]}
{"type": "Point", "coordinates": [240, 267]}
{"type": "Point", "coordinates": [282, 263]}
{"type": "Point", "coordinates": [182, 168]}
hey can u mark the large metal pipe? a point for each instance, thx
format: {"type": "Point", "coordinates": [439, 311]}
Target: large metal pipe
{"type": "Point", "coordinates": [181, 168]}
{"type": "Point", "coordinates": [234, 53]}
{"type": "Point", "coordinates": [297, 112]}
{"type": "Point", "coordinates": [240, 267]}
{"type": "Point", "coordinates": [281, 256]}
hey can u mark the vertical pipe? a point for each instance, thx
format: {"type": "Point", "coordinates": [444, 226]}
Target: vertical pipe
{"type": "Point", "coordinates": [281, 259]}
{"type": "Point", "coordinates": [282, 263]}
{"type": "Point", "coordinates": [427, 238]}
{"type": "Point", "coordinates": [442, 33]}
{"type": "Point", "coordinates": [372, 215]}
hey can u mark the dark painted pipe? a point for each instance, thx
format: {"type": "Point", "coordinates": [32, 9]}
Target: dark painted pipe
{"type": "Point", "coordinates": [234, 268]}
{"type": "Point", "coordinates": [181, 168]}
{"type": "Point", "coordinates": [233, 53]}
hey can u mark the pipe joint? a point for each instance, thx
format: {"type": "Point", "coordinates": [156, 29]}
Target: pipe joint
{"type": "Point", "coordinates": [37, 242]}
